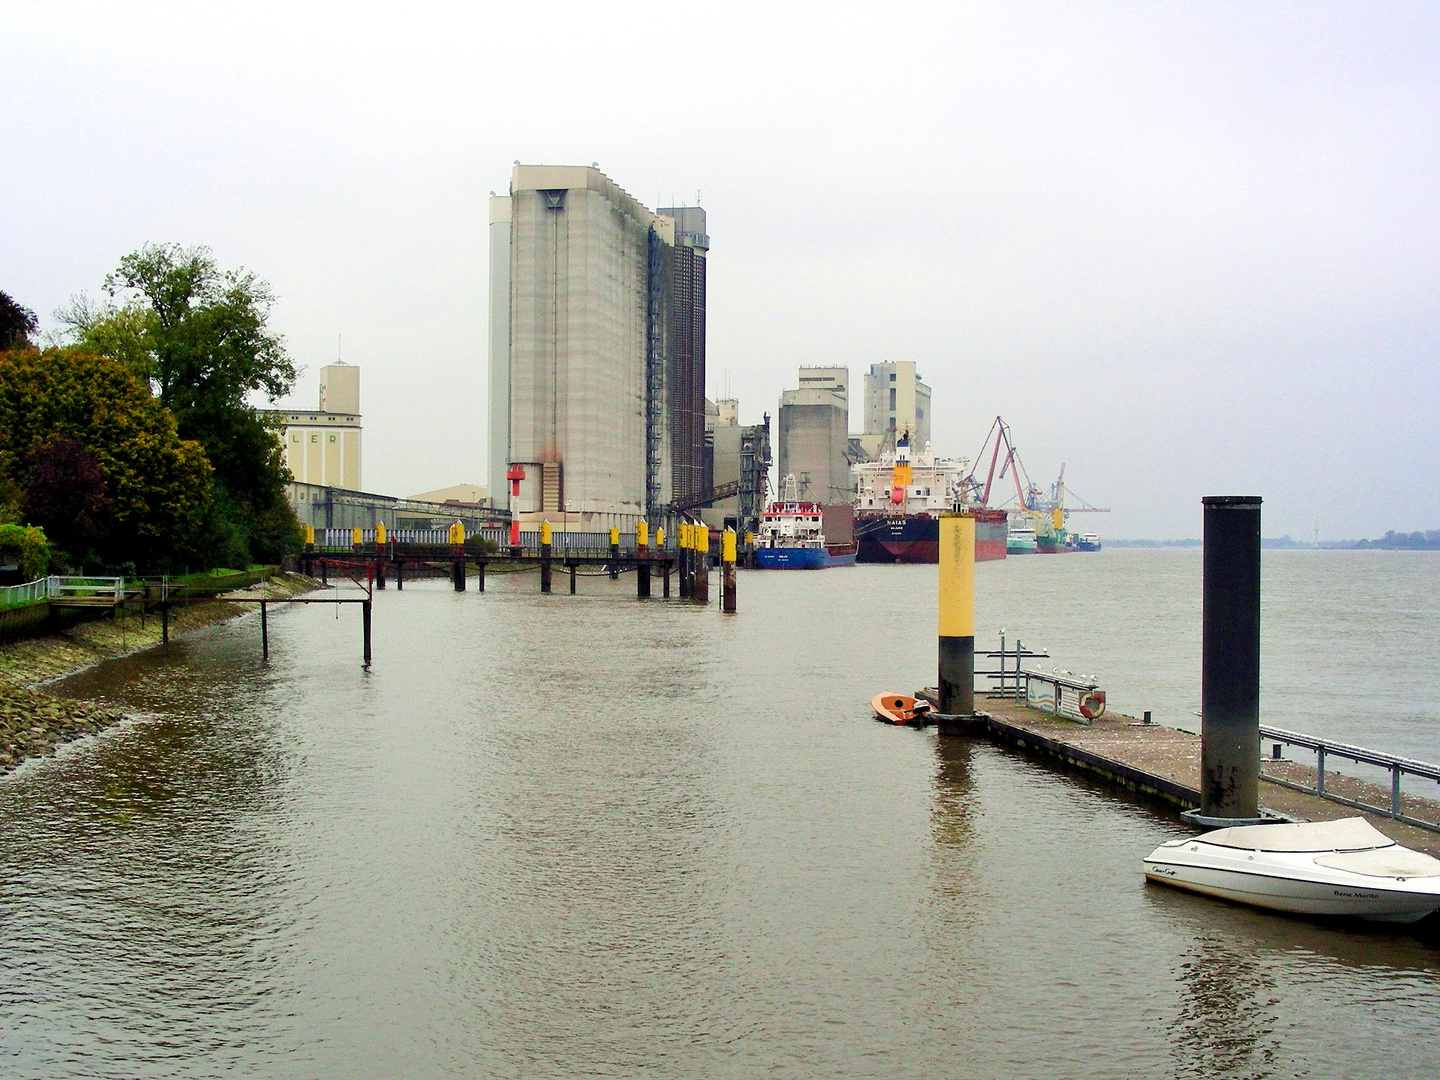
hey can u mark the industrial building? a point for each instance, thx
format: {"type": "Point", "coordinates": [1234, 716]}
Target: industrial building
{"type": "Point", "coordinates": [322, 446]}
{"type": "Point", "coordinates": [814, 434]}
{"type": "Point", "coordinates": [597, 349]}
{"type": "Point", "coordinates": [740, 455]}
{"type": "Point", "coordinates": [896, 401]}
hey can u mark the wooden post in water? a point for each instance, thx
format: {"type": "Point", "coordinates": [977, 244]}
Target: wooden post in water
{"type": "Point", "coordinates": [614, 552]}
{"type": "Point", "coordinates": [642, 560]}
{"type": "Point", "coordinates": [1230, 663]}
{"type": "Point", "coordinates": [365, 617]}
{"type": "Point", "coordinates": [264, 634]}
{"type": "Point", "coordinates": [544, 556]}
{"type": "Point", "coordinates": [957, 618]}
{"type": "Point", "coordinates": [727, 572]}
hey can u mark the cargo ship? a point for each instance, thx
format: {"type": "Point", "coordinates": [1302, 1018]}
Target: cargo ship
{"type": "Point", "coordinates": [792, 535]}
{"type": "Point", "coordinates": [898, 503]}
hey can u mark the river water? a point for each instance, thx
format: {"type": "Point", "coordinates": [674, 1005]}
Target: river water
{"type": "Point", "coordinates": [589, 836]}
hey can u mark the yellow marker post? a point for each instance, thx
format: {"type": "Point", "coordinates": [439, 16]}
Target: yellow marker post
{"type": "Point", "coordinates": [309, 535]}
{"type": "Point", "coordinates": [380, 532]}
{"type": "Point", "coordinates": [642, 535]}
{"type": "Point", "coordinates": [957, 615]}
{"type": "Point", "coordinates": [727, 572]}
{"type": "Point", "coordinates": [357, 537]}
{"type": "Point", "coordinates": [702, 563]}
{"type": "Point", "coordinates": [660, 536]}
{"type": "Point", "coordinates": [642, 559]}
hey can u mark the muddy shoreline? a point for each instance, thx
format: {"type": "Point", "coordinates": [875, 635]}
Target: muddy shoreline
{"type": "Point", "coordinates": [33, 723]}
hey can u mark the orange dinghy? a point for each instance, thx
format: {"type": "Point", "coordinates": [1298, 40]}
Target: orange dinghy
{"type": "Point", "coordinates": [900, 709]}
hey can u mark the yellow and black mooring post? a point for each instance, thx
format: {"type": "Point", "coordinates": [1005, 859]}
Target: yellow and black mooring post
{"type": "Point", "coordinates": [957, 622]}
{"type": "Point", "coordinates": [357, 537]}
{"type": "Point", "coordinates": [309, 550]}
{"type": "Point", "coordinates": [457, 556]}
{"type": "Point", "coordinates": [727, 572]}
{"type": "Point", "coordinates": [682, 558]}
{"type": "Point", "coordinates": [544, 556]}
{"type": "Point", "coordinates": [379, 554]}
{"type": "Point", "coordinates": [1230, 664]}
{"type": "Point", "coordinates": [642, 559]}
{"type": "Point", "coordinates": [365, 620]}
{"type": "Point", "coordinates": [614, 552]}
{"type": "Point", "coordinates": [664, 560]}
{"type": "Point", "coordinates": [749, 550]}
{"type": "Point", "coordinates": [702, 563]}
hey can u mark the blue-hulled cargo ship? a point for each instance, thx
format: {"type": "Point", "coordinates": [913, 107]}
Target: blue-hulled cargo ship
{"type": "Point", "coordinates": [792, 535]}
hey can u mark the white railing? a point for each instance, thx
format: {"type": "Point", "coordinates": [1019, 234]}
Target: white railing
{"type": "Point", "coordinates": [55, 587]}
{"type": "Point", "coordinates": [28, 593]}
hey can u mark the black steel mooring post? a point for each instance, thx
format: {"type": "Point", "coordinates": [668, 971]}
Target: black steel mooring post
{"type": "Point", "coordinates": [457, 574]}
{"type": "Point", "coordinates": [365, 618]}
{"type": "Point", "coordinates": [665, 577]}
{"type": "Point", "coordinates": [572, 565]}
{"type": "Point", "coordinates": [324, 572]}
{"type": "Point", "coordinates": [480, 575]}
{"type": "Point", "coordinates": [380, 573]}
{"type": "Point", "coordinates": [544, 568]}
{"type": "Point", "coordinates": [1230, 661]}
{"type": "Point", "coordinates": [399, 575]}
{"type": "Point", "coordinates": [264, 633]}
{"type": "Point", "coordinates": [614, 561]}
{"type": "Point", "coordinates": [682, 567]}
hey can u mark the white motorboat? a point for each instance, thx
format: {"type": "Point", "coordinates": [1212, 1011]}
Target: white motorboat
{"type": "Point", "coordinates": [1342, 868]}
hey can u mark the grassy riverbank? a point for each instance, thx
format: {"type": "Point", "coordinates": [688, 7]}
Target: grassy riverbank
{"type": "Point", "coordinates": [33, 723]}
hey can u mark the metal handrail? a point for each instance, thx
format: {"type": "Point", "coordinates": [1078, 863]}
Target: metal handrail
{"type": "Point", "coordinates": [1397, 767]}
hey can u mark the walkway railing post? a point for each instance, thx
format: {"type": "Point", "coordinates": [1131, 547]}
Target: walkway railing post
{"type": "Point", "coordinates": [1230, 663]}
{"type": "Point", "coordinates": [727, 571]}
{"type": "Point", "coordinates": [956, 624]}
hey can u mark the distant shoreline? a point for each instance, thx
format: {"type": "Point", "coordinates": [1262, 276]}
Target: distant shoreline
{"type": "Point", "coordinates": [1426, 541]}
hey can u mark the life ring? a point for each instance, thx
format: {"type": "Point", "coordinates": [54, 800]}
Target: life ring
{"type": "Point", "coordinates": [1092, 705]}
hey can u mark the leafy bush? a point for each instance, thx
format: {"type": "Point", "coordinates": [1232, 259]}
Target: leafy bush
{"type": "Point", "coordinates": [28, 546]}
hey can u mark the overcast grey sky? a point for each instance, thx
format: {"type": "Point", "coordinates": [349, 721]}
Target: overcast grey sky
{"type": "Point", "coordinates": [1184, 248]}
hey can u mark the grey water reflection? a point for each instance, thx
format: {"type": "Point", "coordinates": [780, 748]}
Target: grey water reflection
{"type": "Point", "coordinates": [588, 836]}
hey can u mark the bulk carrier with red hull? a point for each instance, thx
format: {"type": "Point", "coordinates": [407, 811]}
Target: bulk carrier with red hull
{"type": "Point", "coordinates": [899, 502]}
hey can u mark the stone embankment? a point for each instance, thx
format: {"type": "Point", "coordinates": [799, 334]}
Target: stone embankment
{"type": "Point", "coordinates": [33, 723]}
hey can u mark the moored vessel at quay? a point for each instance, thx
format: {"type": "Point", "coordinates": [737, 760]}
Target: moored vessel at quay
{"type": "Point", "coordinates": [899, 501]}
{"type": "Point", "coordinates": [792, 535]}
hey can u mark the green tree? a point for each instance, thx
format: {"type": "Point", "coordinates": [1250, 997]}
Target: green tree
{"type": "Point", "coordinates": [199, 335]}
{"type": "Point", "coordinates": [29, 549]}
{"type": "Point", "coordinates": [16, 323]}
{"type": "Point", "coordinates": [157, 485]}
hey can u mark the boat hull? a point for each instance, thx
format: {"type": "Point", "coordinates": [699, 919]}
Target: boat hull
{"type": "Point", "coordinates": [1293, 885]}
{"type": "Point", "coordinates": [916, 538]}
{"type": "Point", "coordinates": [806, 558]}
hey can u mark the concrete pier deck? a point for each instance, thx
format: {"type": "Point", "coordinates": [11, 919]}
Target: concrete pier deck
{"type": "Point", "coordinates": [1163, 764]}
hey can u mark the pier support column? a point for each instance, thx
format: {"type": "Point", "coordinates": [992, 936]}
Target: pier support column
{"type": "Point", "coordinates": [1230, 663]}
{"type": "Point", "coordinates": [399, 575]}
{"type": "Point", "coordinates": [545, 556]}
{"type": "Point", "coordinates": [642, 560]}
{"type": "Point", "coordinates": [727, 572]}
{"type": "Point", "coordinates": [365, 619]}
{"type": "Point", "coordinates": [324, 573]}
{"type": "Point", "coordinates": [682, 560]}
{"type": "Point", "coordinates": [614, 552]}
{"type": "Point", "coordinates": [457, 573]}
{"type": "Point", "coordinates": [574, 566]}
{"type": "Point", "coordinates": [479, 575]}
{"type": "Point", "coordinates": [380, 572]}
{"type": "Point", "coordinates": [665, 577]}
{"type": "Point", "coordinates": [957, 617]}
{"type": "Point", "coordinates": [702, 563]}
